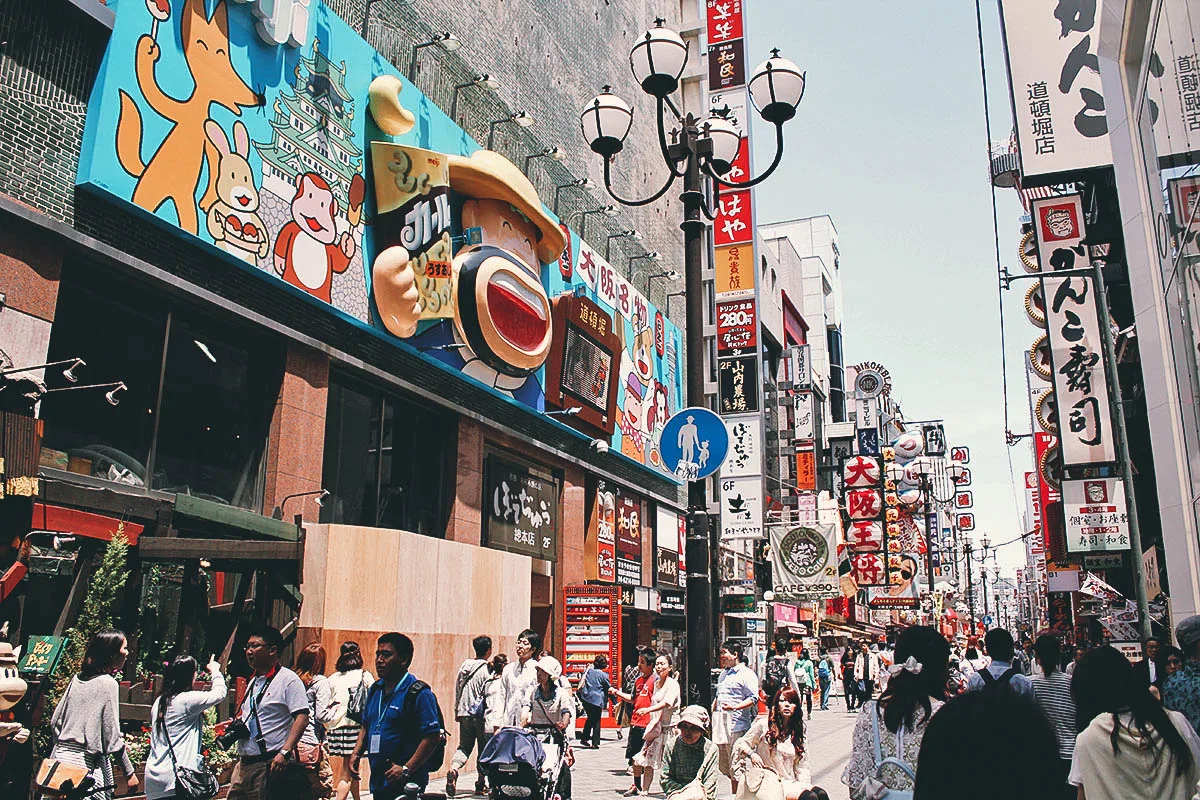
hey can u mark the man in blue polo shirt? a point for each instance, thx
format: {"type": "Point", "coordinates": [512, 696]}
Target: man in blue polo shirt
{"type": "Point", "coordinates": [398, 734]}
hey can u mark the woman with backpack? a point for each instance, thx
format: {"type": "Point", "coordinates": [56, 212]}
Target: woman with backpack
{"type": "Point", "coordinates": [175, 722]}
{"type": "Point", "coordinates": [348, 685]}
{"type": "Point", "coordinates": [887, 737]}
{"type": "Point", "coordinates": [322, 711]}
{"type": "Point", "coordinates": [593, 693]}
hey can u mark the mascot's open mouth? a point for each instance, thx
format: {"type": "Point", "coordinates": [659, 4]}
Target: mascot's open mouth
{"type": "Point", "coordinates": [314, 224]}
{"type": "Point", "coordinates": [502, 311]}
{"type": "Point", "coordinates": [517, 312]}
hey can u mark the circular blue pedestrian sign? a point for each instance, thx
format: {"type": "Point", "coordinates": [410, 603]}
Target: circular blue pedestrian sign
{"type": "Point", "coordinates": [694, 444]}
{"type": "Point", "coordinates": [987, 620]}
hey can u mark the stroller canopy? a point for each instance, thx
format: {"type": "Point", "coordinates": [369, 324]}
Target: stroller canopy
{"type": "Point", "coordinates": [513, 746]}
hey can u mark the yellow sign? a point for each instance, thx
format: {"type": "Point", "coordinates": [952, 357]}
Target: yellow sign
{"type": "Point", "coordinates": [734, 265]}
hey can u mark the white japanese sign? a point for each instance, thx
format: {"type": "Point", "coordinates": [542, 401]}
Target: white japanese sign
{"type": "Point", "coordinates": [806, 424]}
{"type": "Point", "coordinates": [804, 562]}
{"type": "Point", "coordinates": [1095, 516]}
{"type": "Point", "coordinates": [741, 508]}
{"type": "Point", "coordinates": [1173, 85]}
{"type": "Point", "coordinates": [868, 414]}
{"type": "Point", "coordinates": [1073, 327]}
{"type": "Point", "coordinates": [801, 366]}
{"type": "Point", "coordinates": [1054, 75]}
{"type": "Point", "coordinates": [745, 446]}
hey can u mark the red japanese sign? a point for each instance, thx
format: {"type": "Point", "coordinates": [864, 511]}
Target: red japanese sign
{"type": "Point", "coordinates": [966, 522]}
{"type": "Point", "coordinates": [806, 470]}
{"type": "Point", "coordinates": [660, 334]}
{"type": "Point", "coordinates": [737, 327]}
{"type": "Point", "coordinates": [865, 535]}
{"type": "Point", "coordinates": [869, 569]}
{"type": "Point", "coordinates": [1047, 494]}
{"type": "Point", "coordinates": [724, 20]}
{"type": "Point", "coordinates": [735, 219]}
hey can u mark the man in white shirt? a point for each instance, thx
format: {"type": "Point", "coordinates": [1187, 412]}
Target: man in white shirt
{"type": "Point", "coordinates": [275, 710]}
{"type": "Point", "coordinates": [737, 695]}
{"type": "Point", "coordinates": [520, 676]}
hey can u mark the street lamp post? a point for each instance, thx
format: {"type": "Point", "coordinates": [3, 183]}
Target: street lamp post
{"type": "Point", "coordinates": [700, 152]}
{"type": "Point", "coordinates": [983, 576]}
{"type": "Point", "coordinates": [970, 588]}
{"type": "Point", "coordinates": [925, 469]}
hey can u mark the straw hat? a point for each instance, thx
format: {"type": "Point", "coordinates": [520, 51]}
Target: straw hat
{"type": "Point", "coordinates": [8, 656]}
{"type": "Point", "coordinates": [488, 175]}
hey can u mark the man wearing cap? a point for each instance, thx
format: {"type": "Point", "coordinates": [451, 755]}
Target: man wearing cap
{"type": "Point", "coordinates": [1181, 692]}
{"type": "Point", "coordinates": [689, 767]}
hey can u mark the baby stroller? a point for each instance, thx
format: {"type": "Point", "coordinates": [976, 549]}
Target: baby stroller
{"type": "Point", "coordinates": [527, 763]}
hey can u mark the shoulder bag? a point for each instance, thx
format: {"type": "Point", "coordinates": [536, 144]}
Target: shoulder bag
{"type": "Point", "coordinates": [873, 787]}
{"type": "Point", "coordinates": [190, 784]}
{"type": "Point", "coordinates": [57, 778]}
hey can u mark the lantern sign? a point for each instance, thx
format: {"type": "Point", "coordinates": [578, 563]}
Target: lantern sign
{"type": "Point", "coordinates": [908, 446]}
{"type": "Point", "coordinates": [960, 454]}
{"type": "Point", "coordinates": [861, 471]}
{"type": "Point", "coordinates": [966, 522]}
{"type": "Point", "coordinates": [863, 504]}
{"type": "Point", "coordinates": [865, 536]}
{"type": "Point", "coordinates": [964, 500]}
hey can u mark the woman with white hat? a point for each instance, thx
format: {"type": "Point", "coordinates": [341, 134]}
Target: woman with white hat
{"type": "Point", "coordinates": [549, 704]}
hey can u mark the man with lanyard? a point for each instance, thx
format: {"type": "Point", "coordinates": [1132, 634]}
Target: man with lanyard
{"type": "Point", "coordinates": [397, 738]}
{"type": "Point", "coordinates": [275, 710]}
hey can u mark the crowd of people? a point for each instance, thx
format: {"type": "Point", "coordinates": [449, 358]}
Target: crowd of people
{"type": "Point", "coordinates": [932, 718]}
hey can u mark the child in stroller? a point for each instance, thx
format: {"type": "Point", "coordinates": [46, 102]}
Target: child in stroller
{"type": "Point", "coordinates": [535, 762]}
{"type": "Point", "coordinates": [527, 764]}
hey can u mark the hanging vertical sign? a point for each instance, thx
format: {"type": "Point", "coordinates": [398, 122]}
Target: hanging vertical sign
{"type": "Point", "coordinates": [1080, 373]}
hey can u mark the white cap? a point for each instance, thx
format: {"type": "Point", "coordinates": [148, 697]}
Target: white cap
{"type": "Point", "coordinates": [550, 666]}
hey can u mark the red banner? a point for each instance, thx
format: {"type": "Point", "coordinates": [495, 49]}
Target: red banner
{"type": "Point", "coordinates": [1047, 494]}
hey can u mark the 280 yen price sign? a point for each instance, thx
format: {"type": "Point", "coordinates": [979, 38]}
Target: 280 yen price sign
{"type": "Point", "coordinates": [736, 327]}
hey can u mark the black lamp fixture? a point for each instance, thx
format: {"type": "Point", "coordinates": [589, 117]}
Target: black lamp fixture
{"type": "Point", "coordinates": [628, 234]}
{"type": "Point", "coordinates": [564, 412]}
{"type": "Point", "coordinates": [447, 41]}
{"type": "Point", "coordinates": [609, 211]}
{"type": "Point", "coordinates": [482, 80]}
{"type": "Point", "coordinates": [669, 274]}
{"type": "Point", "coordinates": [580, 183]}
{"type": "Point", "coordinates": [114, 388]}
{"type": "Point", "coordinates": [321, 494]}
{"type": "Point", "coordinates": [552, 153]}
{"type": "Point", "coordinates": [700, 152]}
{"type": "Point", "coordinates": [519, 118]}
{"type": "Point", "coordinates": [68, 373]}
{"type": "Point", "coordinates": [653, 257]}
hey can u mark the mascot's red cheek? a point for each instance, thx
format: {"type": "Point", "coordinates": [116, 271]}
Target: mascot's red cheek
{"type": "Point", "coordinates": [515, 316]}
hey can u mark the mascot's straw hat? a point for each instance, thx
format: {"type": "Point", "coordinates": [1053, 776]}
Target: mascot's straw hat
{"type": "Point", "coordinates": [8, 657]}
{"type": "Point", "coordinates": [489, 175]}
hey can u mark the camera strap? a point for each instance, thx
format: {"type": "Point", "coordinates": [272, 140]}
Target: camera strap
{"type": "Point", "coordinates": [254, 703]}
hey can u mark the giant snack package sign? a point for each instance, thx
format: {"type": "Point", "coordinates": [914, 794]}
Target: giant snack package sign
{"type": "Point", "coordinates": [270, 133]}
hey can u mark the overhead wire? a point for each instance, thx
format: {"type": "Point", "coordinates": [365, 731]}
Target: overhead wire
{"type": "Point", "coordinates": [987, 118]}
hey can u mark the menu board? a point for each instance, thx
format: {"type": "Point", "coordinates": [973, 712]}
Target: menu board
{"type": "Point", "coordinates": [592, 623]}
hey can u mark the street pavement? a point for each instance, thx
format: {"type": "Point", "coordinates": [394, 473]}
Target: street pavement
{"type": "Point", "coordinates": [601, 774]}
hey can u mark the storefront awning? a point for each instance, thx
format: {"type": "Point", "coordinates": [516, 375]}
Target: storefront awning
{"type": "Point", "coordinates": [849, 629]}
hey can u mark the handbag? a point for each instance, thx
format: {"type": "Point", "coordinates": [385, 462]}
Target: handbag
{"type": "Point", "coordinates": [57, 778]}
{"type": "Point", "coordinates": [722, 727]}
{"type": "Point", "coordinates": [760, 783]}
{"type": "Point", "coordinates": [873, 787]}
{"type": "Point", "coordinates": [192, 784]}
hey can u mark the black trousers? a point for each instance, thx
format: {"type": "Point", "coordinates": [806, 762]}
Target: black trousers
{"type": "Point", "coordinates": [591, 727]}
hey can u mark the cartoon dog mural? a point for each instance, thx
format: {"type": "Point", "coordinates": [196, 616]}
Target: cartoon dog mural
{"type": "Point", "coordinates": [173, 173]}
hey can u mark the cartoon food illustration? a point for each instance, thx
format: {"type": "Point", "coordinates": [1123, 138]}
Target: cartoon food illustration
{"type": "Point", "coordinates": [232, 220]}
{"type": "Point", "coordinates": [161, 11]}
{"type": "Point", "coordinates": [390, 114]}
{"type": "Point", "coordinates": [354, 200]}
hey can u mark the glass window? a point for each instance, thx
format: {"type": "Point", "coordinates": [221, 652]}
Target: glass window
{"type": "Point", "coordinates": [385, 460]}
{"type": "Point", "coordinates": [219, 393]}
{"type": "Point", "coordinates": [119, 333]}
{"type": "Point", "coordinates": [195, 421]}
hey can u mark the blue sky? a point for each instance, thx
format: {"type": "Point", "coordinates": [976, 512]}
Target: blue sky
{"type": "Point", "coordinates": [890, 142]}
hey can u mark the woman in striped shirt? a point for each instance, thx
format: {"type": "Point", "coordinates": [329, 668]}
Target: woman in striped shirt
{"type": "Point", "coordinates": [1052, 688]}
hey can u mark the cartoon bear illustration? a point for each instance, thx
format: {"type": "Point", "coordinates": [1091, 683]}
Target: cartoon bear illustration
{"type": "Point", "coordinates": [309, 250]}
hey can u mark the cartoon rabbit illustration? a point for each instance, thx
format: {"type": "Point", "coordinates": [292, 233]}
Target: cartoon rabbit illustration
{"type": "Point", "coordinates": [232, 221]}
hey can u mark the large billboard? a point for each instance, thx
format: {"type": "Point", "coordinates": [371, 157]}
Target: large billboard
{"type": "Point", "coordinates": [286, 146]}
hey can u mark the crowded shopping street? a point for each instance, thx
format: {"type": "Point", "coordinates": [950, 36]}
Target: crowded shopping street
{"type": "Point", "coordinates": [581, 400]}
